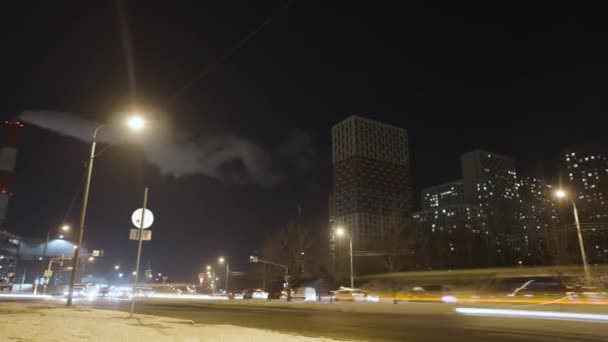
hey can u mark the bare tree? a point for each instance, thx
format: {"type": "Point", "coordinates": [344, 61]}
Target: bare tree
{"type": "Point", "coordinates": [294, 245]}
{"type": "Point", "coordinates": [397, 241]}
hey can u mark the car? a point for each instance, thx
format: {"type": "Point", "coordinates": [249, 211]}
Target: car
{"type": "Point", "coordinates": [5, 286]}
{"type": "Point", "coordinates": [255, 294]}
{"type": "Point", "coordinates": [80, 290]}
{"type": "Point", "coordinates": [345, 294]}
{"type": "Point", "coordinates": [235, 294]}
{"type": "Point", "coordinates": [143, 291]}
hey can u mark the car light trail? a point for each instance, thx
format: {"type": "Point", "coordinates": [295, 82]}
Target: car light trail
{"type": "Point", "coordinates": [31, 296]}
{"type": "Point", "coordinates": [551, 315]}
{"type": "Point", "coordinates": [185, 296]}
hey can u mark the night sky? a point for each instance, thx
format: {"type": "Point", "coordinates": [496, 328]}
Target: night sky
{"type": "Point", "coordinates": [524, 81]}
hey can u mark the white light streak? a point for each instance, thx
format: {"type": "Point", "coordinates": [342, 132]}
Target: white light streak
{"type": "Point", "coordinates": [534, 314]}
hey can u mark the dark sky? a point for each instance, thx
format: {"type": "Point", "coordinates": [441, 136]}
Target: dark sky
{"type": "Point", "coordinates": [524, 81]}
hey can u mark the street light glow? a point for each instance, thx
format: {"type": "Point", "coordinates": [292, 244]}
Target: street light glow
{"type": "Point", "coordinates": [340, 231]}
{"type": "Point", "coordinates": [560, 194]}
{"type": "Point", "coordinates": [91, 258]}
{"type": "Point", "coordinates": [61, 236]}
{"type": "Point", "coordinates": [208, 267]}
{"type": "Point", "coordinates": [136, 123]}
{"type": "Point", "coordinates": [220, 260]}
{"type": "Point", "coordinates": [65, 227]}
{"type": "Point", "coordinates": [116, 267]}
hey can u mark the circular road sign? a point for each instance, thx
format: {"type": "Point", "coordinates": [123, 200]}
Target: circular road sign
{"type": "Point", "coordinates": [148, 218]}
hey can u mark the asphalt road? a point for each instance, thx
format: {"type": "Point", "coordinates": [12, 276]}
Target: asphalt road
{"type": "Point", "coordinates": [441, 324]}
{"type": "Point", "coordinates": [420, 322]}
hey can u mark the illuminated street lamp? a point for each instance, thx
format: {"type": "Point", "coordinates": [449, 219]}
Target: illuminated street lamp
{"type": "Point", "coordinates": [116, 267]}
{"type": "Point", "coordinates": [222, 260]}
{"type": "Point", "coordinates": [135, 123]}
{"type": "Point", "coordinates": [208, 267]}
{"type": "Point", "coordinates": [91, 259]}
{"type": "Point", "coordinates": [64, 228]}
{"type": "Point", "coordinates": [340, 232]}
{"type": "Point", "coordinates": [562, 194]}
{"type": "Point", "coordinates": [120, 275]}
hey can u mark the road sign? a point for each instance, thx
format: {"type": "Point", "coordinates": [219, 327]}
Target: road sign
{"type": "Point", "coordinates": [96, 253]}
{"type": "Point", "coordinates": [146, 234]}
{"type": "Point", "coordinates": [48, 273]}
{"type": "Point", "coordinates": [136, 218]}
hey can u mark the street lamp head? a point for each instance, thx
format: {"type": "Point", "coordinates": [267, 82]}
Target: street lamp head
{"type": "Point", "coordinates": [61, 236]}
{"type": "Point", "coordinates": [65, 227]}
{"type": "Point", "coordinates": [91, 258]}
{"type": "Point", "coordinates": [136, 123]}
{"type": "Point", "coordinates": [117, 267]}
{"type": "Point", "coordinates": [221, 260]}
{"type": "Point", "coordinates": [560, 194]}
{"type": "Point", "coordinates": [208, 267]}
{"type": "Point", "coordinates": [340, 231]}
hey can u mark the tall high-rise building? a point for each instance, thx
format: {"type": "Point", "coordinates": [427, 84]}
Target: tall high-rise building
{"type": "Point", "coordinates": [585, 176]}
{"type": "Point", "coordinates": [585, 169]}
{"type": "Point", "coordinates": [490, 170]}
{"type": "Point", "coordinates": [442, 195]}
{"type": "Point", "coordinates": [371, 177]}
{"type": "Point", "coordinates": [538, 220]}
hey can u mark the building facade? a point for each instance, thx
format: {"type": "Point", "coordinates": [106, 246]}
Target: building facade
{"type": "Point", "coordinates": [371, 177]}
{"type": "Point", "coordinates": [492, 217]}
{"type": "Point", "coordinates": [585, 177]}
{"type": "Point", "coordinates": [451, 236]}
{"type": "Point", "coordinates": [442, 195]}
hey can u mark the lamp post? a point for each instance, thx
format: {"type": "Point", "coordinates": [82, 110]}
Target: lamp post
{"type": "Point", "coordinates": [562, 194]}
{"type": "Point", "coordinates": [341, 232]}
{"type": "Point", "coordinates": [64, 228]}
{"type": "Point", "coordinates": [135, 123]}
{"type": "Point", "coordinates": [221, 260]}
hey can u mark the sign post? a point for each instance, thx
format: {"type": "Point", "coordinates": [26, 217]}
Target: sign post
{"type": "Point", "coordinates": [142, 219]}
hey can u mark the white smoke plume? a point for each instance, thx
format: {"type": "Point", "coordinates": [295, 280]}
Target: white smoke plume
{"type": "Point", "coordinates": [229, 158]}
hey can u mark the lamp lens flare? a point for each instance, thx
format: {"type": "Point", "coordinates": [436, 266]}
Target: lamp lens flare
{"type": "Point", "coordinates": [136, 123]}
{"type": "Point", "coordinates": [560, 194]}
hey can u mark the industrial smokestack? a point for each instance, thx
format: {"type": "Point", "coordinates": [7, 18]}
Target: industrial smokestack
{"type": "Point", "coordinates": [10, 134]}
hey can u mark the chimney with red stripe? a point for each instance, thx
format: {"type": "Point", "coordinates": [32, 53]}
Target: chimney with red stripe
{"type": "Point", "coordinates": [10, 134]}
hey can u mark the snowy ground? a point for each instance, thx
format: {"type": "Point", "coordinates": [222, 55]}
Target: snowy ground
{"type": "Point", "coordinates": [38, 322]}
